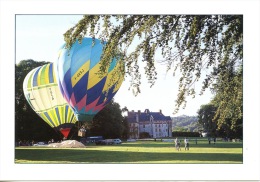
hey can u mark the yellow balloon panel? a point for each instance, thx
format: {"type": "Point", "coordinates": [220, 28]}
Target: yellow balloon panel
{"type": "Point", "coordinates": [42, 93]}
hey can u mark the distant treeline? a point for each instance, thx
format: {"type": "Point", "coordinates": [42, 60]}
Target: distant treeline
{"type": "Point", "coordinates": [185, 124]}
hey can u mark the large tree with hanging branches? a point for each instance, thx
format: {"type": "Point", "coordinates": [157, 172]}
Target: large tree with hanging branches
{"type": "Point", "coordinates": [188, 44]}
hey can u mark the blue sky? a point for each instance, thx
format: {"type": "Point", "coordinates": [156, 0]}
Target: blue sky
{"type": "Point", "coordinates": [39, 37]}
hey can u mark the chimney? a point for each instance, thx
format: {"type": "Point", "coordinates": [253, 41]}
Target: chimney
{"type": "Point", "coordinates": [139, 112]}
{"type": "Point", "coordinates": [160, 111]}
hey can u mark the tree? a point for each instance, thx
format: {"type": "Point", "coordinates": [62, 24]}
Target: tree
{"type": "Point", "coordinates": [28, 125]}
{"type": "Point", "coordinates": [188, 43]}
{"type": "Point", "coordinates": [126, 128]}
{"type": "Point", "coordinates": [227, 104]}
{"type": "Point", "coordinates": [229, 101]}
{"type": "Point", "coordinates": [109, 122]}
{"type": "Point", "coordinates": [205, 118]}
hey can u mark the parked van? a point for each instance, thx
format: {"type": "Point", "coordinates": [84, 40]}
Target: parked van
{"type": "Point", "coordinates": [93, 139]}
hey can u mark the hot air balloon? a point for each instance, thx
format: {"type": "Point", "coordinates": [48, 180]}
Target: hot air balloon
{"type": "Point", "coordinates": [86, 91]}
{"type": "Point", "coordinates": [43, 95]}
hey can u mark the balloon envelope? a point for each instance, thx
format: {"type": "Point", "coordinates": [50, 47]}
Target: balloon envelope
{"type": "Point", "coordinates": [85, 91]}
{"type": "Point", "coordinates": [42, 93]}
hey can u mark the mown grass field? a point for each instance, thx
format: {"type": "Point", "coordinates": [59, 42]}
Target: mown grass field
{"type": "Point", "coordinates": [136, 152]}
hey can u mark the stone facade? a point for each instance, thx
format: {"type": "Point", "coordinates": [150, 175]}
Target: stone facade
{"type": "Point", "coordinates": [154, 123]}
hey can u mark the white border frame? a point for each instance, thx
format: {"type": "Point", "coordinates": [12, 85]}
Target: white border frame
{"type": "Point", "coordinates": [249, 170]}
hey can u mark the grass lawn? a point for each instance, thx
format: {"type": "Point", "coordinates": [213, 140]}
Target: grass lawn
{"type": "Point", "coordinates": [136, 152]}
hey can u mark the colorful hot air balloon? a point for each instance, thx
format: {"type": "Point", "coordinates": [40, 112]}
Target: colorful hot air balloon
{"type": "Point", "coordinates": [42, 93]}
{"type": "Point", "coordinates": [85, 91]}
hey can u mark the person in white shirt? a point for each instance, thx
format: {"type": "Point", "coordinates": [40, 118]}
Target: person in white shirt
{"type": "Point", "coordinates": [186, 143]}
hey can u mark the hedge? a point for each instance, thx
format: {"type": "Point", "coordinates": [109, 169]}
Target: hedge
{"type": "Point", "coordinates": [185, 134]}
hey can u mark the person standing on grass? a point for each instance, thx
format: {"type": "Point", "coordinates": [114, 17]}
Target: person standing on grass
{"type": "Point", "coordinates": [177, 144]}
{"type": "Point", "coordinates": [209, 139]}
{"type": "Point", "coordinates": [186, 143]}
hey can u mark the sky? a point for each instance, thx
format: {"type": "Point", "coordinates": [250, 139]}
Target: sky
{"type": "Point", "coordinates": [39, 37]}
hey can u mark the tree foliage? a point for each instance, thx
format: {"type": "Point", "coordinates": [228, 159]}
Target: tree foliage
{"type": "Point", "coordinates": [229, 100]}
{"type": "Point", "coordinates": [213, 122]}
{"type": "Point", "coordinates": [109, 122]}
{"type": "Point", "coordinates": [28, 125]}
{"type": "Point", "coordinates": [229, 96]}
{"type": "Point", "coordinates": [188, 43]}
{"type": "Point", "coordinates": [206, 114]}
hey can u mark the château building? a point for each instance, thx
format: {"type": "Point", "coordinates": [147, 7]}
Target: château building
{"type": "Point", "coordinates": [154, 123]}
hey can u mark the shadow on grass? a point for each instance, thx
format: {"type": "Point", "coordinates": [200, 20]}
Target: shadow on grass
{"type": "Point", "coordinates": [201, 145]}
{"type": "Point", "coordinates": [96, 156]}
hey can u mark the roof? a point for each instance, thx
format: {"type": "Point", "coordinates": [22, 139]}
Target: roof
{"type": "Point", "coordinates": [145, 116]}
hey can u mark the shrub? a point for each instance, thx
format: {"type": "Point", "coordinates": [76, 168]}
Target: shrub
{"type": "Point", "coordinates": [144, 135]}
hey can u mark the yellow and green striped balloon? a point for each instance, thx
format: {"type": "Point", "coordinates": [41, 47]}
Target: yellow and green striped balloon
{"type": "Point", "coordinates": [42, 93]}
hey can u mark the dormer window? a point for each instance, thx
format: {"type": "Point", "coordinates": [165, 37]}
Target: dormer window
{"type": "Point", "coordinates": [151, 118]}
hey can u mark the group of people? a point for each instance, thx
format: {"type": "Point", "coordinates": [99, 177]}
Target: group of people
{"type": "Point", "coordinates": [178, 144]}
